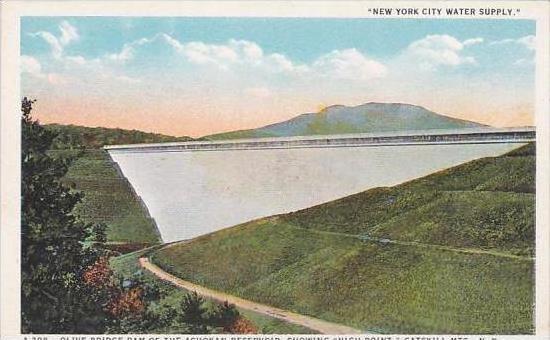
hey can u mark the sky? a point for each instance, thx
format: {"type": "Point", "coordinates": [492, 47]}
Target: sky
{"type": "Point", "coordinates": [198, 76]}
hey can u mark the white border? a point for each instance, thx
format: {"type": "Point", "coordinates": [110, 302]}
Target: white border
{"type": "Point", "coordinates": [542, 121]}
{"type": "Point", "coordinates": [11, 11]}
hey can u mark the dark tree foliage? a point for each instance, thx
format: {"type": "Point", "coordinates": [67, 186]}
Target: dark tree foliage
{"type": "Point", "coordinates": [193, 313]}
{"type": "Point", "coordinates": [67, 285]}
{"type": "Point", "coordinates": [224, 315]}
{"type": "Point", "coordinates": [53, 252]}
{"type": "Point", "coordinates": [199, 319]}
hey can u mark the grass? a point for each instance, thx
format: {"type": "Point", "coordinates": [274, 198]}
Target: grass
{"type": "Point", "coordinates": [488, 204]}
{"type": "Point", "coordinates": [126, 265]}
{"type": "Point", "coordinates": [382, 288]}
{"type": "Point", "coordinates": [109, 198]}
{"type": "Point", "coordinates": [459, 260]}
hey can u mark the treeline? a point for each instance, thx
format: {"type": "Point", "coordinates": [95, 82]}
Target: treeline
{"type": "Point", "coordinates": [82, 137]}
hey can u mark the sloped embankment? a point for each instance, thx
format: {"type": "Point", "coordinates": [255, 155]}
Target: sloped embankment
{"type": "Point", "coordinates": [447, 253]}
{"type": "Point", "coordinates": [108, 197]}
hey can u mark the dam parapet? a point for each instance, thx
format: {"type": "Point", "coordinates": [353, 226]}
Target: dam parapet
{"type": "Point", "coordinates": [462, 136]}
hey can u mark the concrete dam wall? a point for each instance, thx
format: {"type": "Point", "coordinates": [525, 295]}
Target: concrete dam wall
{"type": "Point", "coordinates": [190, 190]}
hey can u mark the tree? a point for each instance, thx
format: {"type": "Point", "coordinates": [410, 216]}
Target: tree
{"type": "Point", "coordinates": [241, 326]}
{"type": "Point", "coordinates": [224, 315]}
{"type": "Point", "coordinates": [67, 285]}
{"type": "Point", "coordinates": [197, 318]}
{"type": "Point", "coordinates": [54, 255]}
{"type": "Point", "coordinates": [193, 313]}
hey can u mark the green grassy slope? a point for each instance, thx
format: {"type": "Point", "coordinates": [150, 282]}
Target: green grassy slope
{"type": "Point", "coordinates": [487, 204]}
{"type": "Point", "coordinates": [108, 197]}
{"type": "Point", "coordinates": [456, 258]}
{"type": "Point", "coordinates": [127, 265]}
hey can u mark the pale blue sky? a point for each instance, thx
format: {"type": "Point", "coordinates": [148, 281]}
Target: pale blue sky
{"type": "Point", "coordinates": [300, 39]}
{"type": "Point", "coordinates": [243, 72]}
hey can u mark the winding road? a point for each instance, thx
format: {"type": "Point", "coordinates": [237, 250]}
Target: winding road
{"type": "Point", "coordinates": [318, 325]}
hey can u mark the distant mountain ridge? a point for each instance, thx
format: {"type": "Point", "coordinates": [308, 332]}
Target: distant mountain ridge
{"type": "Point", "coordinates": [366, 118]}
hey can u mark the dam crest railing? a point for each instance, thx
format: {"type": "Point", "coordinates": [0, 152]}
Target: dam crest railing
{"type": "Point", "coordinates": [463, 136]}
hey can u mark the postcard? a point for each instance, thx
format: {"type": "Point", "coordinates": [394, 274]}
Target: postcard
{"type": "Point", "coordinates": [286, 170]}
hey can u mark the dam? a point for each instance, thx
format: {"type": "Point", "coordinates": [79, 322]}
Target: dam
{"type": "Point", "coordinates": [194, 188]}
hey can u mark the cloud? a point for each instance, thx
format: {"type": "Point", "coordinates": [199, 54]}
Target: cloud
{"type": "Point", "coordinates": [125, 54]}
{"type": "Point", "coordinates": [222, 55]}
{"type": "Point", "coordinates": [524, 62]}
{"type": "Point", "coordinates": [247, 57]}
{"type": "Point", "coordinates": [201, 53]}
{"type": "Point", "coordinates": [527, 41]}
{"type": "Point", "coordinates": [68, 33]}
{"type": "Point", "coordinates": [348, 64]}
{"type": "Point", "coordinates": [436, 50]}
{"type": "Point", "coordinates": [171, 41]}
{"type": "Point", "coordinates": [77, 59]}
{"type": "Point", "coordinates": [196, 52]}
{"type": "Point", "coordinates": [30, 65]}
{"type": "Point", "coordinates": [77, 69]}
{"type": "Point", "coordinates": [250, 50]}
{"type": "Point", "coordinates": [472, 41]}
{"type": "Point", "coordinates": [57, 44]}
{"type": "Point", "coordinates": [128, 50]}
{"type": "Point", "coordinates": [231, 54]}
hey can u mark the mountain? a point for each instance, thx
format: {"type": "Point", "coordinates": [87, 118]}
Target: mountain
{"type": "Point", "coordinates": [366, 118]}
{"type": "Point", "coordinates": [448, 253]}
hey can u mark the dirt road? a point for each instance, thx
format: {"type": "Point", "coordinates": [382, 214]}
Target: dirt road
{"type": "Point", "coordinates": [318, 325]}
